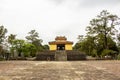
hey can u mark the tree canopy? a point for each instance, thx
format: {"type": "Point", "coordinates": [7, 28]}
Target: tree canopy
{"type": "Point", "coordinates": [3, 32]}
{"type": "Point", "coordinates": [99, 39]}
{"type": "Point", "coordinates": [33, 38]}
{"type": "Point", "coordinates": [103, 25]}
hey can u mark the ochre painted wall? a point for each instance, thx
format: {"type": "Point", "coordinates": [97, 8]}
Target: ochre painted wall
{"type": "Point", "coordinates": [53, 47]}
{"type": "Point", "coordinates": [68, 47]}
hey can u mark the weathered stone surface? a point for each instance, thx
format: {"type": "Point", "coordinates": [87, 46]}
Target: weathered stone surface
{"type": "Point", "coordinates": [60, 55]}
{"type": "Point", "coordinates": [43, 70]}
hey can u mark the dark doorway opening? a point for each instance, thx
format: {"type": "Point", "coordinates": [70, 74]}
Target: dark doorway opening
{"type": "Point", "coordinates": [61, 47]}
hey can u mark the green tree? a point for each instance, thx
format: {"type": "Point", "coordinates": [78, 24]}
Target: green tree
{"type": "Point", "coordinates": [45, 47]}
{"type": "Point", "coordinates": [118, 38]}
{"type": "Point", "coordinates": [104, 25]}
{"type": "Point", "coordinates": [3, 32]}
{"type": "Point", "coordinates": [33, 37]}
{"type": "Point", "coordinates": [99, 39]}
{"type": "Point", "coordinates": [1, 51]}
{"type": "Point", "coordinates": [18, 45]}
{"type": "Point", "coordinates": [77, 46]}
{"type": "Point", "coordinates": [11, 38]}
{"type": "Point", "coordinates": [86, 44]}
{"type": "Point", "coordinates": [29, 50]}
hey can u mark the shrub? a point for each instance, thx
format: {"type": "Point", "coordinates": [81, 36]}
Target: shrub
{"type": "Point", "coordinates": [118, 57]}
{"type": "Point", "coordinates": [26, 54]}
{"type": "Point", "coordinates": [106, 52]}
{"type": "Point", "coordinates": [33, 54]}
{"type": "Point", "coordinates": [1, 59]}
{"type": "Point", "coordinates": [94, 53]}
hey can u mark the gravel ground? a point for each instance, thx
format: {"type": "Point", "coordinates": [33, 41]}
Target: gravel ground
{"type": "Point", "coordinates": [53, 70]}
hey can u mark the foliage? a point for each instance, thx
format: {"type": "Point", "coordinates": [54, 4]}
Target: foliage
{"type": "Point", "coordinates": [118, 37]}
{"type": "Point", "coordinates": [29, 50]}
{"type": "Point", "coordinates": [93, 46]}
{"type": "Point", "coordinates": [94, 53]}
{"type": "Point", "coordinates": [80, 38]}
{"type": "Point", "coordinates": [99, 41]}
{"type": "Point", "coordinates": [87, 45]}
{"type": "Point", "coordinates": [17, 45]}
{"type": "Point", "coordinates": [3, 31]}
{"type": "Point", "coordinates": [46, 47]}
{"type": "Point", "coordinates": [1, 52]}
{"type": "Point", "coordinates": [33, 38]}
{"type": "Point", "coordinates": [77, 46]}
{"type": "Point", "coordinates": [11, 38]}
{"type": "Point", "coordinates": [21, 46]}
{"type": "Point", "coordinates": [106, 52]}
{"type": "Point", "coordinates": [1, 49]}
{"type": "Point", "coordinates": [103, 25]}
{"type": "Point", "coordinates": [118, 57]}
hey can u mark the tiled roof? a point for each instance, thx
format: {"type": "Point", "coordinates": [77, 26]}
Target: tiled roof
{"type": "Point", "coordinates": [60, 38]}
{"type": "Point", "coordinates": [60, 42]}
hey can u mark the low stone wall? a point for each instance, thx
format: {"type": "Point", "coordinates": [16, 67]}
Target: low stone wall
{"type": "Point", "coordinates": [75, 55]}
{"type": "Point", "coordinates": [51, 56]}
{"type": "Point", "coordinates": [46, 56]}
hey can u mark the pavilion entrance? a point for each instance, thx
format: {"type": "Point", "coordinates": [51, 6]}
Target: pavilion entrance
{"type": "Point", "coordinates": [60, 43]}
{"type": "Point", "coordinates": [60, 46]}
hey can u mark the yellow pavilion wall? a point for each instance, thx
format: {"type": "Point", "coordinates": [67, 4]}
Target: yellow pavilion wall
{"type": "Point", "coordinates": [68, 47]}
{"type": "Point", "coordinates": [53, 47]}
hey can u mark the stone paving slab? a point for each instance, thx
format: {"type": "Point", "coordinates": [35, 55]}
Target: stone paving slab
{"type": "Point", "coordinates": [42, 70]}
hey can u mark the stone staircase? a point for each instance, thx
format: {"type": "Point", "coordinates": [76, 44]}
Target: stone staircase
{"type": "Point", "coordinates": [60, 55]}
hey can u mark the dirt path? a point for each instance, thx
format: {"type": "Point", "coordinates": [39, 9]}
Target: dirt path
{"type": "Point", "coordinates": [41, 70]}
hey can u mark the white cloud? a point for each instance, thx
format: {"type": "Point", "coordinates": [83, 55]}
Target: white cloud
{"type": "Point", "coordinates": [96, 3]}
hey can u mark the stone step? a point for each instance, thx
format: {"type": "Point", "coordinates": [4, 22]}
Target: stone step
{"type": "Point", "coordinates": [60, 56]}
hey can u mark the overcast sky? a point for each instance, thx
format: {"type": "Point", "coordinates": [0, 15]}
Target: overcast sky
{"type": "Point", "coordinates": [51, 18]}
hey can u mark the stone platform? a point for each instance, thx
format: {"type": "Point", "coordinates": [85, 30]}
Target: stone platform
{"type": "Point", "coordinates": [61, 55]}
{"type": "Point", "coordinates": [52, 70]}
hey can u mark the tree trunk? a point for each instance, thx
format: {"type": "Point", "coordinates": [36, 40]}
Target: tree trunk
{"type": "Point", "coordinates": [106, 47]}
{"type": "Point", "coordinates": [105, 33]}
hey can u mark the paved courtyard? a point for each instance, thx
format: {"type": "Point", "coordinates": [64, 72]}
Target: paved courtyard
{"type": "Point", "coordinates": [52, 70]}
